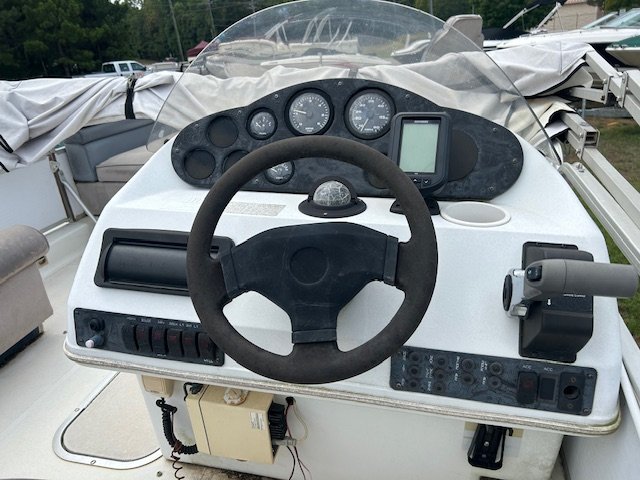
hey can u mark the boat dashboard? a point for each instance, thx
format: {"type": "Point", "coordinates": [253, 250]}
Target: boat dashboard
{"type": "Point", "coordinates": [452, 154]}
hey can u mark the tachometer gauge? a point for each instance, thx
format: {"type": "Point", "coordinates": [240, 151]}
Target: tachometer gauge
{"type": "Point", "coordinates": [262, 124]}
{"type": "Point", "coordinates": [280, 174]}
{"type": "Point", "coordinates": [369, 114]}
{"type": "Point", "coordinates": [309, 113]}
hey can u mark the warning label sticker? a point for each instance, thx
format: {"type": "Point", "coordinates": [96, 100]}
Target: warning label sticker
{"type": "Point", "coordinates": [257, 421]}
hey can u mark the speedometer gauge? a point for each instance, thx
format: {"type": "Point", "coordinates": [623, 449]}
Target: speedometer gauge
{"type": "Point", "coordinates": [309, 113]}
{"type": "Point", "coordinates": [369, 114]}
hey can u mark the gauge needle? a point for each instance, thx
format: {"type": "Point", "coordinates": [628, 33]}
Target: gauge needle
{"type": "Point", "coordinates": [364, 125]}
{"type": "Point", "coordinates": [300, 111]}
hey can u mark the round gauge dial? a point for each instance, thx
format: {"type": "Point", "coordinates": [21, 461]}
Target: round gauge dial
{"type": "Point", "coordinates": [369, 114]}
{"type": "Point", "coordinates": [309, 113]}
{"type": "Point", "coordinates": [280, 174]}
{"type": "Point", "coordinates": [262, 124]}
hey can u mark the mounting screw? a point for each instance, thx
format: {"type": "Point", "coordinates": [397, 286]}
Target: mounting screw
{"type": "Point", "coordinates": [276, 96]}
{"type": "Point", "coordinates": [158, 474]}
{"type": "Point", "coordinates": [586, 410]}
{"type": "Point", "coordinates": [398, 385]}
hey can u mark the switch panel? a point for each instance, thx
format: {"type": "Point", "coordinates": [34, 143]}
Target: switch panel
{"type": "Point", "coordinates": [147, 336]}
{"type": "Point", "coordinates": [505, 381]}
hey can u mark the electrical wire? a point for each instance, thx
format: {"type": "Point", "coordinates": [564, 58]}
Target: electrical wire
{"type": "Point", "coordinates": [303, 467]}
{"type": "Point", "coordinates": [176, 459]}
{"type": "Point", "coordinates": [304, 424]}
{"type": "Point", "coordinates": [293, 469]}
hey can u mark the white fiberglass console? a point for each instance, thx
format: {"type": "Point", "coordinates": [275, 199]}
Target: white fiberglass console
{"type": "Point", "coordinates": [381, 322]}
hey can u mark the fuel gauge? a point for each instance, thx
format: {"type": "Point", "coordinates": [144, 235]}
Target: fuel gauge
{"type": "Point", "coordinates": [262, 124]}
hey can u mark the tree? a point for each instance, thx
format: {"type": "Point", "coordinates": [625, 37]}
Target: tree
{"type": "Point", "coordinates": [613, 5]}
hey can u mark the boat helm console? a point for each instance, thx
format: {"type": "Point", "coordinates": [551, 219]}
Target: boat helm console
{"type": "Point", "coordinates": [257, 264]}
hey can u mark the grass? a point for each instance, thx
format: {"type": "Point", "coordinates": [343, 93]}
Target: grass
{"type": "Point", "coordinates": [620, 144]}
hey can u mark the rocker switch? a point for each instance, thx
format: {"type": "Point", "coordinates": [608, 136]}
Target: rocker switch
{"type": "Point", "coordinates": [206, 346]}
{"type": "Point", "coordinates": [159, 340]}
{"type": "Point", "coordinates": [189, 344]}
{"type": "Point", "coordinates": [143, 338]}
{"type": "Point", "coordinates": [527, 388]}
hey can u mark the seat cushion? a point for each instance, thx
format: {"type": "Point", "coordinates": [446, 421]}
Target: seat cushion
{"type": "Point", "coordinates": [121, 167]}
{"type": "Point", "coordinates": [20, 246]}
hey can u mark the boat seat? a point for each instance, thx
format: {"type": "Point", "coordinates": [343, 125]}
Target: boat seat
{"type": "Point", "coordinates": [448, 38]}
{"type": "Point", "coordinates": [104, 157]}
{"type": "Point", "coordinates": [24, 304]}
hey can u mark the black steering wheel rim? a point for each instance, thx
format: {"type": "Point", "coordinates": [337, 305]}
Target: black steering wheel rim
{"type": "Point", "coordinates": [316, 362]}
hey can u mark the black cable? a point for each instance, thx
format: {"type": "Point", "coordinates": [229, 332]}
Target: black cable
{"type": "Point", "coordinates": [3, 167]}
{"type": "Point", "coordinates": [167, 427]}
{"type": "Point", "coordinates": [295, 449]}
{"type": "Point", "coordinates": [293, 469]}
{"type": "Point", "coordinates": [176, 468]}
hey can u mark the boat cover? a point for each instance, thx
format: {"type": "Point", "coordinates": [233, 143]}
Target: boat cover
{"type": "Point", "coordinates": [39, 114]}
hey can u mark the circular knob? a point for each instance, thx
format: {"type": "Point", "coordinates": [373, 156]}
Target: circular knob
{"type": "Point", "coordinates": [95, 341]}
{"type": "Point", "coordinates": [96, 324]}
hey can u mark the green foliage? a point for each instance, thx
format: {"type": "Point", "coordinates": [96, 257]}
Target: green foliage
{"type": "Point", "coordinates": [613, 5]}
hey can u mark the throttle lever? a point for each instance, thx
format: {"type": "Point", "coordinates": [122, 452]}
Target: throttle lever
{"type": "Point", "coordinates": [545, 278]}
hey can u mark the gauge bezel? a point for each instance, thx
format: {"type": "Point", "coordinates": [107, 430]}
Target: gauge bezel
{"type": "Point", "coordinates": [281, 182]}
{"type": "Point", "coordinates": [251, 117]}
{"type": "Point", "coordinates": [296, 96]}
{"type": "Point", "coordinates": [347, 117]}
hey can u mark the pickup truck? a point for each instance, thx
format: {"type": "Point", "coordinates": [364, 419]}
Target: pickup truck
{"type": "Point", "coordinates": [120, 68]}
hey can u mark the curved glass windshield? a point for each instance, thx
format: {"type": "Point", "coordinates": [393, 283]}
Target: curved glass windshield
{"type": "Point", "coordinates": [631, 19]}
{"type": "Point", "coordinates": [302, 41]}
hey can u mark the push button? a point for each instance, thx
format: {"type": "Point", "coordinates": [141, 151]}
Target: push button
{"type": "Point", "coordinates": [143, 338]}
{"type": "Point", "coordinates": [189, 344]}
{"type": "Point", "coordinates": [159, 340]}
{"type": "Point", "coordinates": [527, 388]}
{"type": "Point", "coordinates": [129, 337]}
{"type": "Point", "coordinates": [206, 346]}
{"type": "Point", "coordinates": [174, 342]}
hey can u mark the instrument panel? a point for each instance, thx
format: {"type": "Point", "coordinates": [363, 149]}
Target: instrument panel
{"type": "Point", "coordinates": [484, 160]}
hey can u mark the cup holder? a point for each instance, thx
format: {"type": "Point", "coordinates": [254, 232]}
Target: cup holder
{"type": "Point", "coordinates": [475, 214]}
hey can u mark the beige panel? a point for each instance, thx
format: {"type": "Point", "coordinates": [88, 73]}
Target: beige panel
{"type": "Point", "coordinates": [158, 385]}
{"type": "Point", "coordinates": [233, 431]}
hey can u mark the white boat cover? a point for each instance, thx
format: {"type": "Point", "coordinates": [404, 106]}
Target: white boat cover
{"type": "Point", "coordinates": [39, 114]}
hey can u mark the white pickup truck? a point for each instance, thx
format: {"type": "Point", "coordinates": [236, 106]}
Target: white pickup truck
{"type": "Point", "coordinates": [120, 68]}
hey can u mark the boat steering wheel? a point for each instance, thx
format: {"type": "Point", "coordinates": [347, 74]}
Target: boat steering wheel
{"type": "Point", "coordinates": [312, 271]}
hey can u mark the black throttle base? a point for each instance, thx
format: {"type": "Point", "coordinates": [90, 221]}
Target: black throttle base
{"type": "Point", "coordinates": [487, 447]}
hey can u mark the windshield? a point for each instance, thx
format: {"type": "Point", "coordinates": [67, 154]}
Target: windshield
{"type": "Point", "coordinates": [302, 41]}
{"type": "Point", "coordinates": [631, 19]}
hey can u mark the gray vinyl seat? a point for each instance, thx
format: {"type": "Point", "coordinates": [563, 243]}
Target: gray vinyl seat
{"type": "Point", "coordinates": [24, 304]}
{"type": "Point", "coordinates": [104, 157]}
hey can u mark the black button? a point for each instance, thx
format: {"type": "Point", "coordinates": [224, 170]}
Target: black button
{"type": "Point", "coordinates": [143, 338]}
{"type": "Point", "coordinates": [174, 342]}
{"type": "Point", "coordinates": [159, 340]}
{"type": "Point", "coordinates": [547, 388]}
{"type": "Point", "coordinates": [467, 364]}
{"type": "Point", "coordinates": [189, 344]}
{"type": "Point", "coordinates": [534, 273]}
{"type": "Point", "coordinates": [527, 388]}
{"type": "Point", "coordinates": [206, 346]}
{"type": "Point", "coordinates": [129, 337]}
